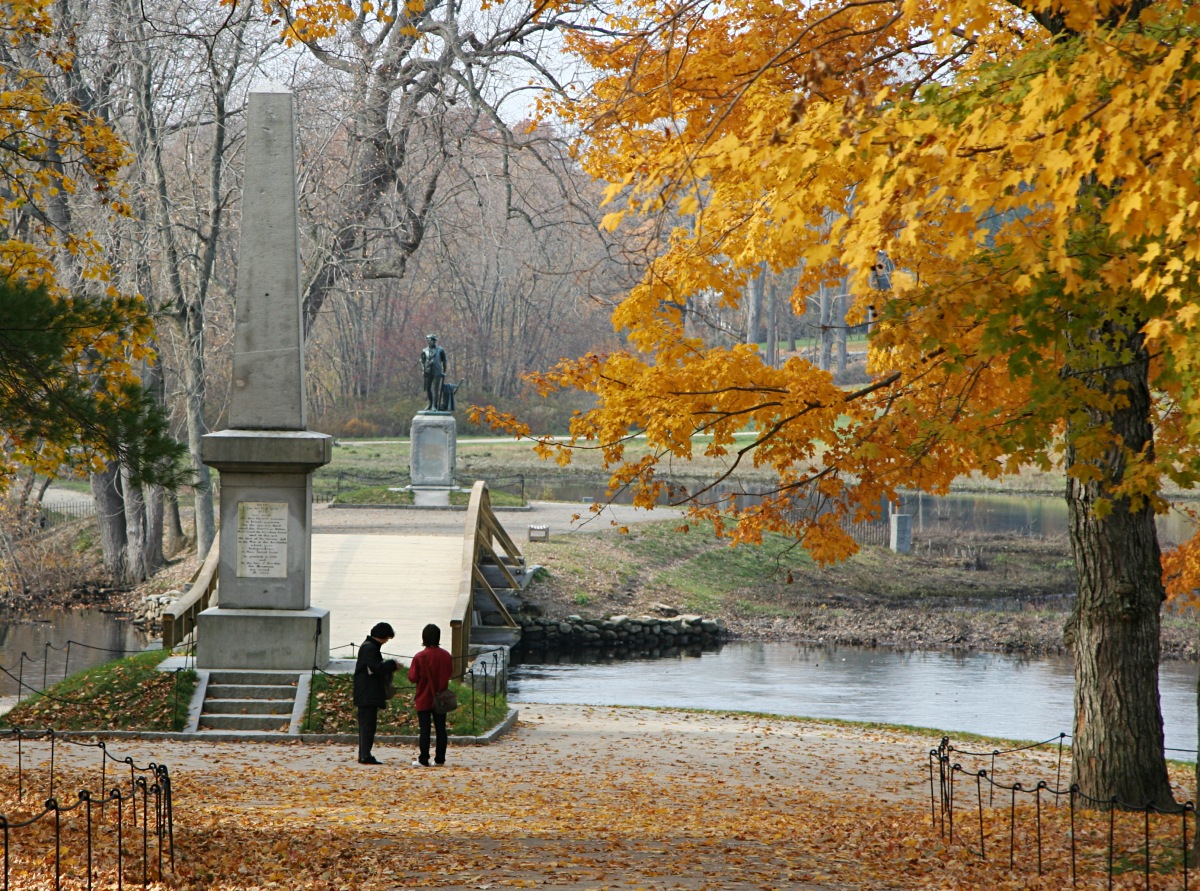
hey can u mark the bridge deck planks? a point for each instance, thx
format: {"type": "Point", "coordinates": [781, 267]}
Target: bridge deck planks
{"type": "Point", "coordinates": [405, 580]}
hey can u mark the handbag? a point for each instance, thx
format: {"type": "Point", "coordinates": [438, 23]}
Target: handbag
{"type": "Point", "coordinates": [389, 689]}
{"type": "Point", "coordinates": [444, 701]}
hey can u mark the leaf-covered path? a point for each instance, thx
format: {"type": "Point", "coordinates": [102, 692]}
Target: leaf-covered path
{"type": "Point", "coordinates": [577, 798]}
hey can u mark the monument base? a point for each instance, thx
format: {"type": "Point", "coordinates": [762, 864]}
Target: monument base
{"type": "Point", "coordinates": [265, 639]}
{"type": "Point", "coordinates": [433, 442]}
{"type": "Point", "coordinates": [431, 496]}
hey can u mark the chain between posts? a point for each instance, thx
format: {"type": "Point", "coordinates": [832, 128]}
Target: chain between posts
{"type": "Point", "coordinates": [944, 770]}
{"type": "Point", "coordinates": [145, 782]}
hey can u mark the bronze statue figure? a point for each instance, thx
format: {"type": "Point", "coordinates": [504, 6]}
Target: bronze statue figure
{"type": "Point", "coordinates": [433, 366]}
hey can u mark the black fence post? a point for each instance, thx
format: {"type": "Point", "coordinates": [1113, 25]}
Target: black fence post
{"type": "Point", "coordinates": [51, 804]}
{"type": "Point", "coordinates": [1146, 839]}
{"type": "Point", "coordinates": [1012, 826]}
{"type": "Point", "coordinates": [86, 796]}
{"type": "Point", "coordinates": [141, 786]}
{"type": "Point", "coordinates": [116, 793]}
{"type": "Point", "coordinates": [1038, 799]}
{"type": "Point", "coordinates": [1074, 791]}
{"type": "Point", "coordinates": [979, 801]}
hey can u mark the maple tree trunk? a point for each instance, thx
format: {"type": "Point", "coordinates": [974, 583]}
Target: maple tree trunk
{"type": "Point", "coordinates": [1113, 631]}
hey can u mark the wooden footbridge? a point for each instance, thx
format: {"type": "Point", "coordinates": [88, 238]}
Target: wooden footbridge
{"type": "Point", "coordinates": [405, 580]}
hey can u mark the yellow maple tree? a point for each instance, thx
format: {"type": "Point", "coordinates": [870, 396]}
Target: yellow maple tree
{"type": "Point", "coordinates": [1031, 170]}
{"type": "Point", "coordinates": [70, 342]}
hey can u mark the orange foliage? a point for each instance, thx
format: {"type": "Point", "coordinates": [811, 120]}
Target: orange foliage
{"type": "Point", "coordinates": [1033, 194]}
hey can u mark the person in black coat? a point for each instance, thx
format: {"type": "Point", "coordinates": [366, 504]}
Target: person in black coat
{"type": "Point", "coordinates": [371, 673]}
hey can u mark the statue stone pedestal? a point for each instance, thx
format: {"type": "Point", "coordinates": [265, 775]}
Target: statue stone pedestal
{"type": "Point", "coordinates": [433, 452]}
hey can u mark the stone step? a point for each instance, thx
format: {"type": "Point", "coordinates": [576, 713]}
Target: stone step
{"type": "Point", "coordinates": [266, 723]}
{"type": "Point", "coordinates": [246, 691]}
{"type": "Point", "coordinates": [257, 678]}
{"type": "Point", "coordinates": [247, 707]}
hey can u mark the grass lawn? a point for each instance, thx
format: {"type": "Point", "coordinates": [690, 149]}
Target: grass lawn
{"type": "Point", "coordinates": [331, 709]}
{"type": "Point", "coordinates": [132, 694]}
{"type": "Point", "coordinates": [125, 694]}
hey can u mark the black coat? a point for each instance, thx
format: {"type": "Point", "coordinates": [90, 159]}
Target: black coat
{"type": "Point", "coordinates": [370, 672]}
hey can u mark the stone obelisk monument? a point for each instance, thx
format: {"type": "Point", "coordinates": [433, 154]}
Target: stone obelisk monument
{"type": "Point", "coordinates": [264, 619]}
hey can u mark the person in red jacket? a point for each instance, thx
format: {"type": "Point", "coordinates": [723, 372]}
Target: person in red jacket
{"type": "Point", "coordinates": [430, 672]}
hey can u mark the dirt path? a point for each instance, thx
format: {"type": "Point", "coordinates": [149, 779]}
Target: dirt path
{"type": "Point", "coordinates": [620, 744]}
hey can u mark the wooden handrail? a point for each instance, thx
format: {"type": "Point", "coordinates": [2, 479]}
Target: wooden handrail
{"type": "Point", "coordinates": [482, 533]}
{"type": "Point", "coordinates": [179, 618]}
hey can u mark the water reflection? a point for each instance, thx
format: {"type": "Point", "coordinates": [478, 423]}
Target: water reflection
{"type": "Point", "coordinates": [986, 693]}
{"type": "Point", "coordinates": [60, 642]}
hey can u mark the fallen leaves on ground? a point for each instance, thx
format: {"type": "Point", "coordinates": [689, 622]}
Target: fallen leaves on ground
{"type": "Point", "coordinates": [580, 797]}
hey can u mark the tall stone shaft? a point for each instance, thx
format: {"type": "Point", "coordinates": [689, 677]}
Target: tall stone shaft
{"type": "Point", "coordinates": [268, 360]}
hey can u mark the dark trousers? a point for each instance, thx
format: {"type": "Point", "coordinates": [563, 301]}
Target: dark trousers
{"type": "Point", "coordinates": [368, 720]}
{"type": "Point", "coordinates": [424, 719]}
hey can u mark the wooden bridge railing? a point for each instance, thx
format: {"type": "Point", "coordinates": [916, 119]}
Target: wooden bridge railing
{"type": "Point", "coordinates": [485, 543]}
{"type": "Point", "coordinates": [179, 618]}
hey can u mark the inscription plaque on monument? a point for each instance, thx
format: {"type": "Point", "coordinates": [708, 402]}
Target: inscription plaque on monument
{"type": "Point", "coordinates": [262, 539]}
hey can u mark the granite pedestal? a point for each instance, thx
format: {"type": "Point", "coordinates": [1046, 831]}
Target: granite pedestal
{"type": "Point", "coordinates": [432, 458]}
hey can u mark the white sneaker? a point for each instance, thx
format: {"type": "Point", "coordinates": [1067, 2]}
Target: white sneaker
{"type": "Point", "coordinates": [419, 764]}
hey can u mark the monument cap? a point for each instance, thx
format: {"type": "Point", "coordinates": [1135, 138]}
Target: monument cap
{"type": "Point", "coordinates": [382, 629]}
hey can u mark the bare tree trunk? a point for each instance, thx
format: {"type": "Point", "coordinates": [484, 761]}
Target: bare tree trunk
{"type": "Point", "coordinates": [772, 315]}
{"type": "Point", "coordinates": [154, 496]}
{"type": "Point", "coordinates": [1113, 631]}
{"type": "Point", "coordinates": [825, 361]}
{"type": "Point", "coordinates": [840, 313]}
{"type": "Point", "coordinates": [174, 537]}
{"type": "Point", "coordinates": [754, 306]}
{"type": "Point", "coordinates": [110, 516]}
{"type": "Point", "coordinates": [135, 532]}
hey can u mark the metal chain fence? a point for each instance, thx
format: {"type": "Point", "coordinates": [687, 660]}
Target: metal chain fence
{"type": "Point", "coordinates": [76, 842]}
{"type": "Point", "coordinates": [1018, 821]}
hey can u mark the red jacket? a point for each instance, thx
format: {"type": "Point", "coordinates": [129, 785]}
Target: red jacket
{"type": "Point", "coordinates": [429, 672]}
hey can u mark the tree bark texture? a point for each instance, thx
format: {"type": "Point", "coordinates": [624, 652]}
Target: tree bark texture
{"type": "Point", "coordinates": [110, 516]}
{"type": "Point", "coordinates": [1114, 627]}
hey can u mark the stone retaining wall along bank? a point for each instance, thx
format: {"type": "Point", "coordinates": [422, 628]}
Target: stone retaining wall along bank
{"type": "Point", "coordinates": [643, 632]}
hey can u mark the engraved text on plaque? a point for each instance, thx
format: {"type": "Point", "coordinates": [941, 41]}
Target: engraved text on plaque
{"type": "Point", "coordinates": [262, 539]}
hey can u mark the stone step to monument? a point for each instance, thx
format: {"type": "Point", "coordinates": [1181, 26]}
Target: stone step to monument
{"type": "Point", "coordinates": [248, 691]}
{"type": "Point", "coordinates": [264, 723]}
{"type": "Point", "coordinates": [269, 678]}
{"type": "Point", "coordinates": [248, 707]}
{"type": "Point", "coordinates": [259, 701]}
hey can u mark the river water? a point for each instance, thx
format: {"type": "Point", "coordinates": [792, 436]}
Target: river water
{"type": "Point", "coordinates": [986, 693]}
{"type": "Point", "coordinates": [59, 643]}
